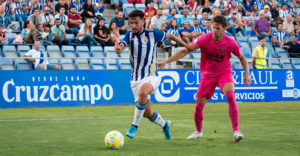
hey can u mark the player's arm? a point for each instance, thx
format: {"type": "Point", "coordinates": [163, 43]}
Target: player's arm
{"type": "Point", "coordinates": [119, 47]}
{"type": "Point", "coordinates": [247, 79]}
{"type": "Point", "coordinates": [179, 40]}
{"type": "Point", "coordinates": [178, 55]}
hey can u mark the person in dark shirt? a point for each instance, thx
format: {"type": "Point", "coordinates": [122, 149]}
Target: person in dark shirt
{"type": "Point", "coordinates": [292, 47]}
{"type": "Point", "coordinates": [102, 34]}
{"type": "Point", "coordinates": [88, 10]}
{"type": "Point", "coordinates": [275, 14]}
{"type": "Point", "coordinates": [62, 3]}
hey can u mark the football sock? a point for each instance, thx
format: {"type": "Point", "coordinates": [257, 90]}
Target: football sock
{"type": "Point", "coordinates": [198, 116]}
{"type": "Point", "coordinates": [233, 110]}
{"type": "Point", "coordinates": [138, 113]}
{"type": "Point", "coordinates": [156, 118]}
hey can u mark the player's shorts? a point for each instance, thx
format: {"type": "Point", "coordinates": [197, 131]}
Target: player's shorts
{"type": "Point", "coordinates": [208, 84]}
{"type": "Point", "coordinates": [136, 85]}
{"type": "Point", "coordinates": [49, 67]}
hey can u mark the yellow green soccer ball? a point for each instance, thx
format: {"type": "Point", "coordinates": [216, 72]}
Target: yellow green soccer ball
{"type": "Point", "coordinates": [114, 140]}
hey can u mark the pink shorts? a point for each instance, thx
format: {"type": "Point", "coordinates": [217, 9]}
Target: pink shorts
{"type": "Point", "coordinates": [208, 84]}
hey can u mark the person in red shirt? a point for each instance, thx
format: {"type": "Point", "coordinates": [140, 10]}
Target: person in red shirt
{"type": "Point", "coordinates": [74, 21]}
{"type": "Point", "coordinates": [150, 11]}
{"type": "Point", "coordinates": [2, 35]}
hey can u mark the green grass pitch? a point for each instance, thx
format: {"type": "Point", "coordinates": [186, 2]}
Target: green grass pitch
{"type": "Point", "coordinates": [270, 128]}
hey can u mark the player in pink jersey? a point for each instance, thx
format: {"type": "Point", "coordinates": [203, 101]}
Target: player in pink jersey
{"type": "Point", "coordinates": [216, 49]}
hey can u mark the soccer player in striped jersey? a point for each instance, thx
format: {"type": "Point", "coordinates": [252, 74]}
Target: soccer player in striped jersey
{"type": "Point", "coordinates": [216, 49]}
{"type": "Point", "coordinates": [142, 44]}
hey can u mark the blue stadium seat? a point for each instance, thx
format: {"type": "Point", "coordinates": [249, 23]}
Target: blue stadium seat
{"type": "Point", "coordinates": [97, 64]}
{"type": "Point", "coordinates": [22, 49]}
{"type": "Point", "coordinates": [275, 64]}
{"type": "Point", "coordinates": [82, 64]}
{"type": "Point", "coordinates": [54, 51]}
{"type": "Point", "coordinates": [283, 55]}
{"type": "Point", "coordinates": [279, 50]}
{"type": "Point", "coordinates": [251, 39]}
{"type": "Point", "coordinates": [196, 65]}
{"type": "Point", "coordinates": [82, 51]}
{"type": "Point", "coordinates": [97, 51]}
{"type": "Point", "coordinates": [127, 8]}
{"type": "Point", "coordinates": [21, 64]}
{"type": "Point", "coordinates": [140, 6]}
{"type": "Point", "coordinates": [125, 66]}
{"type": "Point", "coordinates": [114, 67]}
{"type": "Point", "coordinates": [111, 61]}
{"type": "Point", "coordinates": [272, 53]}
{"type": "Point", "coordinates": [70, 37]}
{"type": "Point", "coordinates": [244, 44]}
{"type": "Point", "coordinates": [286, 63]}
{"type": "Point", "coordinates": [10, 37]}
{"type": "Point", "coordinates": [246, 52]}
{"type": "Point", "coordinates": [67, 64]}
{"type": "Point", "coordinates": [124, 54]}
{"type": "Point", "coordinates": [10, 51]}
{"type": "Point", "coordinates": [254, 44]}
{"type": "Point", "coordinates": [110, 52]}
{"type": "Point", "coordinates": [6, 64]}
{"type": "Point", "coordinates": [68, 51]}
{"type": "Point", "coordinates": [296, 63]}
{"type": "Point", "coordinates": [241, 38]}
{"type": "Point", "coordinates": [196, 55]}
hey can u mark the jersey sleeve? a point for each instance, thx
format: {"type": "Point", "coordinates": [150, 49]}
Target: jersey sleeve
{"type": "Point", "coordinates": [126, 39]}
{"type": "Point", "coordinates": [236, 49]}
{"type": "Point", "coordinates": [198, 41]}
{"type": "Point", "coordinates": [159, 35]}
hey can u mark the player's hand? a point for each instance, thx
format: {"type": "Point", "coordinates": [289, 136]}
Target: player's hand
{"type": "Point", "coordinates": [247, 80]}
{"type": "Point", "coordinates": [117, 48]}
{"type": "Point", "coordinates": [161, 64]}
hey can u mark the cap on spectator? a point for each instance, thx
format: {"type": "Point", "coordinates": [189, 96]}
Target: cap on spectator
{"type": "Point", "coordinates": [266, 7]}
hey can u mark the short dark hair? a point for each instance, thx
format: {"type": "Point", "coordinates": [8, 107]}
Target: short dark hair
{"type": "Point", "coordinates": [73, 6]}
{"type": "Point", "coordinates": [221, 20]}
{"type": "Point", "coordinates": [26, 23]}
{"type": "Point", "coordinates": [279, 24]}
{"type": "Point", "coordinates": [1, 26]}
{"type": "Point", "coordinates": [261, 38]}
{"type": "Point", "coordinates": [57, 19]}
{"type": "Point", "coordinates": [62, 7]}
{"type": "Point", "coordinates": [35, 9]}
{"type": "Point", "coordinates": [136, 13]}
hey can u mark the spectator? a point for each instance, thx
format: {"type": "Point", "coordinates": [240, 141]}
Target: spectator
{"type": "Point", "coordinates": [184, 18]}
{"type": "Point", "coordinates": [62, 3]}
{"type": "Point", "coordinates": [292, 4]}
{"type": "Point", "coordinates": [275, 14]}
{"type": "Point", "coordinates": [235, 25]}
{"type": "Point", "coordinates": [205, 5]}
{"type": "Point", "coordinates": [114, 32]}
{"type": "Point", "coordinates": [262, 26]}
{"type": "Point", "coordinates": [252, 17]}
{"type": "Point", "coordinates": [208, 27]}
{"type": "Point", "coordinates": [35, 18]}
{"type": "Point", "coordinates": [35, 4]}
{"type": "Point", "coordinates": [259, 55]}
{"type": "Point", "coordinates": [173, 6]}
{"type": "Point", "coordinates": [236, 5]}
{"type": "Point", "coordinates": [78, 6]}
{"type": "Point", "coordinates": [196, 30]}
{"type": "Point", "coordinates": [88, 11]}
{"type": "Point", "coordinates": [33, 35]}
{"type": "Point", "coordinates": [247, 7]}
{"type": "Point", "coordinates": [51, 7]}
{"type": "Point", "coordinates": [193, 5]}
{"type": "Point", "coordinates": [59, 33]}
{"type": "Point", "coordinates": [117, 4]}
{"type": "Point", "coordinates": [8, 8]}
{"type": "Point", "coordinates": [288, 25]}
{"type": "Point", "coordinates": [102, 35]}
{"type": "Point", "coordinates": [156, 21]}
{"type": "Point", "coordinates": [150, 11]}
{"type": "Point", "coordinates": [46, 18]}
{"type": "Point", "coordinates": [62, 17]}
{"type": "Point", "coordinates": [172, 14]}
{"type": "Point", "coordinates": [74, 21]}
{"type": "Point", "coordinates": [44, 35]}
{"type": "Point", "coordinates": [283, 12]}
{"type": "Point", "coordinates": [4, 20]}
{"type": "Point", "coordinates": [292, 47]}
{"type": "Point", "coordinates": [26, 28]}
{"type": "Point", "coordinates": [120, 21]}
{"type": "Point", "coordinates": [258, 5]}
{"type": "Point", "coordinates": [2, 36]}
{"type": "Point", "coordinates": [99, 7]}
{"type": "Point", "coordinates": [172, 29]}
{"type": "Point", "coordinates": [279, 36]}
{"type": "Point", "coordinates": [37, 56]}
{"type": "Point", "coordinates": [186, 35]}
{"type": "Point", "coordinates": [19, 9]}
{"type": "Point", "coordinates": [180, 4]}
{"type": "Point", "coordinates": [18, 39]}
{"type": "Point", "coordinates": [297, 25]}
{"type": "Point", "coordinates": [222, 5]}
{"type": "Point", "coordinates": [266, 12]}
{"type": "Point", "coordinates": [85, 34]}
{"type": "Point", "coordinates": [204, 19]}
{"type": "Point", "coordinates": [165, 3]}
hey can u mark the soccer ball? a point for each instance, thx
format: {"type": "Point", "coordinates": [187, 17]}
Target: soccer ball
{"type": "Point", "coordinates": [114, 140]}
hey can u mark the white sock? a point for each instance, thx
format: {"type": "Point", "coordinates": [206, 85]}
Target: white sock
{"type": "Point", "coordinates": [138, 113]}
{"type": "Point", "coordinates": [156, 118]}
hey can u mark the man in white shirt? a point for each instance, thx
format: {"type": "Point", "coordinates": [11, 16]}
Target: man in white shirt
{"type": "Point", "coordinates": [46, 18]}
{"type": "Point", "coordinates": [37, 56]}
{"type": "Point", "coordinates": [156, 21]}
{"type": "Point", "coordinates": [267, 12]}
{"type": "Point", "coordinates": [283, 12]}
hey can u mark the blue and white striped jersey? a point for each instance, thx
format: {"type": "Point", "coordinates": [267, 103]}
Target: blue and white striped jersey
{"type": "Point", "coordinates": [174, 32]}
{"type": "Point", "coordinates": [18, 11]}
{"type": "Point", "coordinates": [280, 36]}
{"type": "Point", "coordinates": [195, 29]}
{"type": "Point", "coordinates": [206, 30]}
{"type": "Point", "coordinates": [143, 52]}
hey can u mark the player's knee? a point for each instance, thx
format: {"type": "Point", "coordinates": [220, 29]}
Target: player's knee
{"type": "Point", "coordinates": [143, 95]}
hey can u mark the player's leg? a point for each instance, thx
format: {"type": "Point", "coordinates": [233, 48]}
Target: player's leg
{"type": "Point", "coordinates": [228, 90]}
{"type": "Point", "coordinates": [141, 95]}
{"type": "Point", "coordinates": [205, 91]}
{"type": "Point", "coordinates": [156, 118]}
